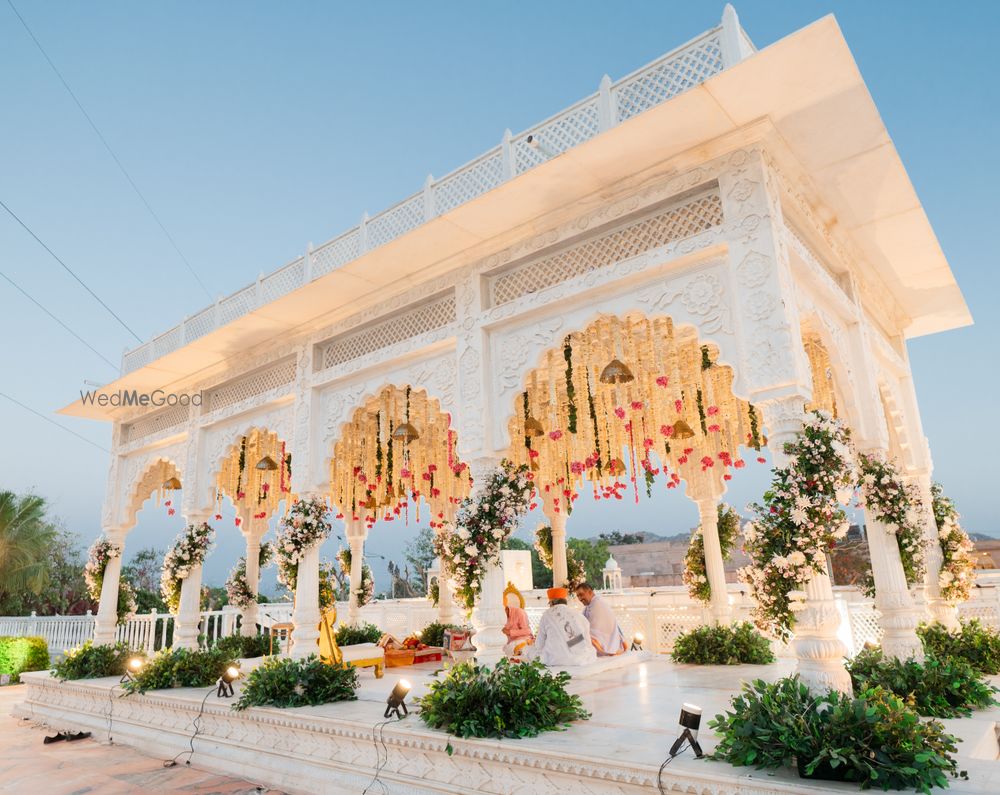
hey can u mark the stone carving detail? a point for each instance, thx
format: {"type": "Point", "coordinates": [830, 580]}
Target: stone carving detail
{"type": "Point", "coordinates": [136, 476]}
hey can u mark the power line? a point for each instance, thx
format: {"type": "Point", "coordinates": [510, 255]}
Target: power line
{"type": "Point", "coordinates": [24, 292]}
{"type": "Point", "coordinates": [69, 270]}
{"type": "Point", "coordinates": [111, 152]}
{"type": "Point", "coordinates": [53, 422]}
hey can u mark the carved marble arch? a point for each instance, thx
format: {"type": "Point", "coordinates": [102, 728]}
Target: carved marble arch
{"type": "Point", "coordinates": [161, 477]}
{"type": "Point", "coordinates": [397, 454]}
{"type": "Point", "coordinates": [900, 447]}
{"type": "Point", "coordinates": [833, 386]}
{"type": "Point", "coordinates": [629, 398]}
{"type": "Point", "coordinates": [255, 474]}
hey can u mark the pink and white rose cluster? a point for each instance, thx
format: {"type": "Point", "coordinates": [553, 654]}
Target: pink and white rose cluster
{"type": "Point", "coordinates": [958, 565]}
{"type": "Point", "coordinates": [484, 521]}
{"type": "Point", "coordinates": [305, 525]}
{"type": "Point", "coordinates": [101, 552]}
{"type": "Point", "coordinates": [189, 550]}
{"type": "Point", "coordinates": [800, 520]}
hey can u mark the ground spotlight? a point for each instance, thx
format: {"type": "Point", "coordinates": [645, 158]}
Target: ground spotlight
{"type": "Point", "coordinates": [132, 667]}
{"type": "Point", "coordinates": [232, 673]}
{"type": "Point", "coordinates": [396, 703]}
{"type": "Point", "coordinates": [637, 640]}
{"type": "Point", "coordinates": [690, 721]}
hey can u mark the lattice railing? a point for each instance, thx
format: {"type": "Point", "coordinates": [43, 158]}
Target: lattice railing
{"type": "Point", "coordinates": [403, 325]}
{"type": "Point", "coordinates": [248, 386]}
{"type": "Point", "coordinates": [680, 221]}
{"type": "Point", "coordinates": [653, 84]}
{"type": "Point", "coordinates": [154, 423]}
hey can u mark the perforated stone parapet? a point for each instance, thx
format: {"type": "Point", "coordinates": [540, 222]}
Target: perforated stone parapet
{"type": "Point", "coordinates": [252, 385]}
{"type": "Point", "coordinates": [154, 423]}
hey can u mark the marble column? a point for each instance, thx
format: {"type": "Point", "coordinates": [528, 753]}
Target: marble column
{"type": "Point", "coordinates": [488, 617]}
{"type": "Point", "coordinates": [816, 645]}
{"type": "Point", "coordinates": [189, 611]}
{"type": "Point", "coordinates": [707, 500]}
{"type": "Point", "coordinates": [556, 514]}
{"type": "Point", "coordinates": [356, 532]}
{"type": "Point", "coordinates": [306, 613]}
{"type": "Point", "coordinates": [255, 530]}
{"type": "Point", "coordinates": [106, 624]}
{"type": "Point", "coordinates": [929, 598]}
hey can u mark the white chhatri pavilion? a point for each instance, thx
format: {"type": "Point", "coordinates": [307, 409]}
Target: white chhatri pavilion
{"type": "Point", "coordinates": [750, 203]}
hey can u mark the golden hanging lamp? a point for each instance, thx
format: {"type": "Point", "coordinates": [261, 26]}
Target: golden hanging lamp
{"type": "Point", "coordinates": [405, 433]}
{"type": "Point", "coordinates": [682, 430]}
{"type": "Point", "coordinates": [267, 464]}
{"type": "Point", "coordinates": [616, 372]}
{"type": "Point", "coordinates": [533, 427]}
{"type": "Point", "coordinates": [171, 484]}
{"type": "Point", "coordinates": [616, 466]}
{"type": "Point", "coordinates": [370, 503]}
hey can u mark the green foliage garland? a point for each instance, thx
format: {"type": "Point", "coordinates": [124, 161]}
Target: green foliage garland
{"type": "Point", "coordinates": [511, 700]}
{"type": "Point", "coordinates": [284, 682]}
{"type": "Point", "coordinates": [90, 662]}
{"type": "Point", "coordinates": [872, 738]}
{"type": "Point", "coordinates": [244, 646]}
{"type": "Point", "coordinates": [977, 645]}
{"type": "Point", "coordinates": [189, 550]}
{"type": "Point", "coordinates": [570, 389]}
{"type": "Point", "coordinates": [349, 635]}
{"type": "Point", "coordinates": [799, 520]}
{"type": "Point", "coordinates": [366, 591]}
{"type": "Point", "coordinates": [740, 644]}
{"type": "Point", "coordinates": [695, 568]}
{"type": "Point", "coordinates": [957, 568]}
{"type": "Point", "coordinates": [575, 572]}
{"type": "Point", "coordinates": [21, 654]}
{"type": "Point", "coordinates": [937, 688]}
{"type": "Point", "coordinates": [179, 667]}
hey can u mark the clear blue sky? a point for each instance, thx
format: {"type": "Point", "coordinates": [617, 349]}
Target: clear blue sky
{"type": "Point", "coordinates": [254, 128]}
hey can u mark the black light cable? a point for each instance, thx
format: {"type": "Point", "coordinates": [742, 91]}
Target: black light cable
{"type": "Point", "coordinates": [197, 731]}
{"type": "Point", "coordinates": [381, 759]}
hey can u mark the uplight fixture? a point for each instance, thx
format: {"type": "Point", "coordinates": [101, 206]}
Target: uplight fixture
{"type": "Point", "coordinates": [230, 675]}
{"type": "Point", "coordinates": [396, 703]}
{"type": "Point", "coordinates": [637, 640]}
{"type": "Point", "coordinates": [690, 722]}
{"type": "Point", "coordinates": [132, 667]}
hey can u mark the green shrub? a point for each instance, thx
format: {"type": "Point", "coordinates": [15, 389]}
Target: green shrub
{"type": "Point", "coordinates": [938, 688]}
{"type": "Point", "coordinates": [18, 655]}
{"type": "Point", "coordinates": [433, 633]}
{"type": "Point", "coordinates": [872, 738]}
{"type": "Point", "coordinates": [90, 662]}
{"type": "Point", "coordinates": [723, 645]}
{"type": "Point", "coordinates": [977, 645]}
{"type": "Point", "coordinates": [283, 682]}
{"type": "Point", "coordinates": [348, 635]}
{"type": "Point", "coordinates": [244, 646]}
{"type": "Point", "coordinates": [179, 667]}
{"type": "Point", "coordinates": [510, 700]}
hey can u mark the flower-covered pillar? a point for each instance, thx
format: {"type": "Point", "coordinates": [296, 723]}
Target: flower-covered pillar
{"type": "Point", "coordinates": [488, 617]}
{"type": "Point", "coordinates": [106, 623]}
{"type": "Point", "coordinates": [356, 531]}
{"type": "Point", "coordinates": [706, 490]}
{"type": "Point", "coordinates": [446, 600]}
{"type": "Point", "coordinates": [189, 612]}
{"type": "Point", "coordinates": [929, 595]}
{"type": "Point", "coordinates": [254, 531]}
{"type": "Point", "coordinates": [305, 612]}
{"type": "Point", "coordinates": [557, 521]}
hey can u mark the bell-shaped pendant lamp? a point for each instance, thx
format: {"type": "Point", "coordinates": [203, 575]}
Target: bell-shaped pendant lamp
{"type": "Point", "coordinates": [267, 464]}
{"type": "Point", "coordinates": [533, 427]}
{"type": "Point", "coordinates": [616, 467]}
{"type": "Point", "coordinates": [616, 372]}
{"type": "Point", "coordinates": [681, 430]}
{"type": "Point", "coordinates": [171, 484]}
{"type": "Point", "coordinates": [405, 433]}
{"type": "Point", "coordinates": [370, 503]}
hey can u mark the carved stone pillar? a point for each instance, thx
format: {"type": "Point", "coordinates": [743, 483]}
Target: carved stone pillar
{"type": "Point", "coordinates": [556, 514]}
{"type": "Point", "coordinates": [305, 613]}
{"type": "Point", "coordinates": [255, 530]}
{"type": "Point", "coordinates": [819, 650]}
{"type": "Point", "coordinates": [106, 624]}
{"type": "Point", "coordinates": [488, 617]}
{"type": "Point", "coordinates": [446, 600]}
{"type": "Point", "coordinates": [929, 595]}
{"type": "Point", "coordinates": [356, 533]}
{"type": "Point", "coordinates": [706, 491]}
{"type": "Point", "coordinates": [189, 611]}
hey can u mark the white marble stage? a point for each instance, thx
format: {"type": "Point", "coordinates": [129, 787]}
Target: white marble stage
{"type": "Point", "coordinates": [330, 748]}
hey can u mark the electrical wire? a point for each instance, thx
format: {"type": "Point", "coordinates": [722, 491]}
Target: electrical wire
{"type": "Point", "coordinates": [68, 269]}
{"type": "Point", "coordinates": [667, 761]}
{"type": "Point", "coordinates": [378, 737]}
{"type": "Point", "coordinates": [37, 303]}
{"type": "Point", "coordinates": [197, 731]}
{"type": "Point", "coordinates": [111, 151]}
{"type": "Point", "coordinates": [53, 422]}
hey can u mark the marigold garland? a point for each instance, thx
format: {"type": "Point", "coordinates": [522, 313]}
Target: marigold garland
{"type": "Point", "coordinates": [472, 542]}
{"type": "Point", "coordinates": [575, 571]}
{"type": "Point", "coordinates": [956, 577]}
{"type": "Point", "coordinates": [800, 519]}
{"type": "Point", "coordinates": [189, 550]}
{"type": "Point", "coordinates": [98, 556]}
{"type": "Point", "coordinates": [304, 526]}
{"type": "Point", "coordinates": [366, 591]}
{"type": "Point", "coordinates": [695, 568]}
{"type": "Point", "coordinates": [897, 506]}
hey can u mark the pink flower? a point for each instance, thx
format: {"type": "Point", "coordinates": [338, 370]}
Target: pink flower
{"type": "Point", "coordinates": [761, 460]}
{"type": "Point", "coordinates": [662, 381]}
{"type": "Point", "coordinates": [636, 405]}
{"type": "Point", "coordinates": [620, 412]}
{"type": "Point", "coordinates": [555, 436]}
{"type": "Point", "coordinates": [667, 430]}
{"type": "Point", "coordinates": [739, 463]}
{"type": "Point", "coordinates": [678, 406]}
{"type": "Point", "coordinates": [533, 454]}
{"type": "Point", "coordinates": [712, 411]}
{"type": "Point", "coordinates": [218, 516]}
{"type": "Point", "coordinates": [714, 428]}
{"type": "Point", "coordinates": [171, 512]}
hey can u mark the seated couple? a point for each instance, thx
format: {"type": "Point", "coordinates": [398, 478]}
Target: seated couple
{"type": "Point", "coordinates": [565, 636]}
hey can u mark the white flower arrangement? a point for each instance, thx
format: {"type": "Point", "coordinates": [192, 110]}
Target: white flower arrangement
{"type": "Point", "coordinates": [498, 507]}
{"type": "Point", "coordinates": [238, 590]}
{"type": "Point", "coordinates": [366, 592]}
{"type": "Point", "coordinates": [958, 565]}
{"type": "Point", "coordinates": [101, 552]}
{"type": "Point", "coordinates": [189, 550]}
{"type": "Point", "coordinates": [304, 526]}
{"type": "Point", "coordinates": [695, 569]}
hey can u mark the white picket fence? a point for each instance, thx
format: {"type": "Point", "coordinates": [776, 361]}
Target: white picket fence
{"type": "Point", "coordinates": [660, 614]}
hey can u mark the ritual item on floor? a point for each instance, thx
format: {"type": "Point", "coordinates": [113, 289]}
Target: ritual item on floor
{"type": "Point", "coordinates": [408, 651]}
{"type": "Point", "coordinates": [358, 655]}
{"type": "Point", "coordinates": [457, 645]}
